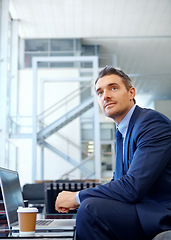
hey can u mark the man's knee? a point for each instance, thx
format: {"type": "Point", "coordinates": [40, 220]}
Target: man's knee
{"type": "Point", "coordinates": [84, 209]}
{"type": "Point", "coordinates": [89, 221]}
{"type": "Point", "coordinates": [89, 212]}
{"type": "Point", "coordinates": [84, 219]}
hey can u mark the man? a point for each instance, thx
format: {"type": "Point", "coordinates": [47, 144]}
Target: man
{"type": "Point", "coordinates": [136, 203]}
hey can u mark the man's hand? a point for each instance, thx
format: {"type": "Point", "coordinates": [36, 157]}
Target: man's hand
{"type": "Point", "coordinates": [66, 201]}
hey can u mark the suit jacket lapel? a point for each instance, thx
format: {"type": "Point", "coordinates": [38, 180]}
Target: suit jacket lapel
{"type": "Point", "coordinates": [132, 121]}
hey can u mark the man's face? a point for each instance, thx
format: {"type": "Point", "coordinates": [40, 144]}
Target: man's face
{"type": "Point", "coordinates": [113, 97]}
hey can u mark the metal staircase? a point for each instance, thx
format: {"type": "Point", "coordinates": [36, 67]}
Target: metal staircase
{"type": "Point", "coordinates": [46, 130]}
{"type": "Point", "coordinates": [64, 120]}
{"type": "Point", "coordinates": [76, 165]}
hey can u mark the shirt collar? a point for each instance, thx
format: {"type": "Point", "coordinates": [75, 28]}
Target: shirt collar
{"type": "Point", "coordinates": [123, 125]}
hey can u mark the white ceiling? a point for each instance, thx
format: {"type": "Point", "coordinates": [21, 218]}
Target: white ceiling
{"type": "Point", "coordinates": [135, 35]}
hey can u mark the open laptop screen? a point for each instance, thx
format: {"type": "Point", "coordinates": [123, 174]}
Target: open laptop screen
{"type": "Point", "coordinates": [12, 195]}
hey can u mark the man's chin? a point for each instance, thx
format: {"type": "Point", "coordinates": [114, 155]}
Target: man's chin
{"type": "Point", "coordinates": [110, 114]}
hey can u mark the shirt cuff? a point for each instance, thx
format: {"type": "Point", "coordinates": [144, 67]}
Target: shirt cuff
{"type": "Point", "coordinates": [78, 198]}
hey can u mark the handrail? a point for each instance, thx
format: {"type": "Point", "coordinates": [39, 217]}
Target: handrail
{"type": "Point", "coordinates": [52, 108]}
{"type": "Point", "coordinates": [66, 99]}
{"type": "Point", "coordinates": [89, 158]}
{"type": "Point", "coordinates": [69, 141]}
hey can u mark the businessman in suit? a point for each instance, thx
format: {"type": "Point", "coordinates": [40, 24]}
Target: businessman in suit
{"type": "Point", "coordinates": [136, 203]}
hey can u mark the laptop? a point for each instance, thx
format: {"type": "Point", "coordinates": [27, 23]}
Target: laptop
{"type": "Point", "coordinates": [13, 198]}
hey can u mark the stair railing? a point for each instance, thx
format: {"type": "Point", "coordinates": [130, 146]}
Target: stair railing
{"type": "Point", "coordinates": [46, 113]}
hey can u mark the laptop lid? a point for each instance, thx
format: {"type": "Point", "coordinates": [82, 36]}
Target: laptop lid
{"type": "Point", "coordinates": [12, 197]}
{"type": "Point", "coordinates": [12, 194]}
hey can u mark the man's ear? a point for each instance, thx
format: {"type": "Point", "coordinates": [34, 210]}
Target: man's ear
{"type": "Point", "coordinates": [132, 93]}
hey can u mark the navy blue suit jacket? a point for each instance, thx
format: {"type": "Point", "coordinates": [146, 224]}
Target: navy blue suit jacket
{"type": "Point", "coordinates": [147, 171]}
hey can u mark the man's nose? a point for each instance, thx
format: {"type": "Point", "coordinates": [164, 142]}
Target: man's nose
{"type": "Point", "coordinates": [106, 94]}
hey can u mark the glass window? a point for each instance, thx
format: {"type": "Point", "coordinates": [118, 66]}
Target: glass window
{"type": "Point", "coordinates": [106, 156]}
{"type": "Point", "coordinates": [87, 131]}
{"type": "Point", "coordinates": [107, 131]}
{"type": "Point", "coordinates": [61, 45]}
{"type": "Point", "coordinates": [86, 64]}
{"type": "Point", "coordinates": [36, 45]}
{"type": "Point", "coordinates": [87, 149]}
{"type": "Point", "coordinates": [106, 134]}
{"type": "Point", "coordinates": [78, 44]}
{"type": "Point", "coordinates": [90, 50]}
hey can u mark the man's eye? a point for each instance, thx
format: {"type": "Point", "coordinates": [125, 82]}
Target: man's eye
{"type": "Point", "coordinates": [99, 94]}
{"type": "Point", "coordinates": [113, 88]}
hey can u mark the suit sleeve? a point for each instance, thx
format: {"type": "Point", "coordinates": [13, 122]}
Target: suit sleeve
{"type": "Point", "coordinates": [151, 138]}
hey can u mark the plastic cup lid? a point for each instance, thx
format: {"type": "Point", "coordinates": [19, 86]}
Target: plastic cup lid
{"type": "Point", "coordinates": [26, 209]}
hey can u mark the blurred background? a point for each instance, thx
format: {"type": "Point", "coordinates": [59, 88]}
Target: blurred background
{"type": "Point", "coordinates": [50, 54]}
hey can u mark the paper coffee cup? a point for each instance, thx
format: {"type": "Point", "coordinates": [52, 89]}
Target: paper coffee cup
{"type": "Point", "coordinates": [27, 220]}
